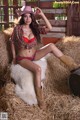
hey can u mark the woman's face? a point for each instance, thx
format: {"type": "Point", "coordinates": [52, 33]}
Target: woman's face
{"type": "Point", "coordinates": [27, 18]}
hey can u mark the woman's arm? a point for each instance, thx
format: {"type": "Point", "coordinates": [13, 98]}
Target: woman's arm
{"type": "Point", "coordinates": [13, 52]}
{"type": "Point", "coordinates": [13, 46]}
{"type": "Point", "coordinates": [39, 12]}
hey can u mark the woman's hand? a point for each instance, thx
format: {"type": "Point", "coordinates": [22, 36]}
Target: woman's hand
{"type": "Point", "coordinates": [38, 11]}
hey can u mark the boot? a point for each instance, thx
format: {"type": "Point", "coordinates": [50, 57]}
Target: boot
{"type": "Point", "coordinates": [40, 97]}
{"type": "Point", "coordinates": [69, 62]}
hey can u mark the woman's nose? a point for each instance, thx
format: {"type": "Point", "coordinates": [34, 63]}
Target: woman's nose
{"type": "Point", "coordinates": [27, 18]}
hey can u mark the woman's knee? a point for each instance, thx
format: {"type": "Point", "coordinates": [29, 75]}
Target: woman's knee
{"type": "Point", "coordinates": [51, 46]}
{"type": "Point", "coordinates": [38, 70]}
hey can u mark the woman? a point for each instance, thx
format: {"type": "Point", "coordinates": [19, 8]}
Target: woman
{"type": "Point", "coordinates": [24, 39]}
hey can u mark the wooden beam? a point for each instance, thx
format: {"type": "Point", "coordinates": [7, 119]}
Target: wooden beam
{"type": "Point", "coordinates": [57, 35]}
{"type": "Point", "coordinates": [46, 4]}
{"type": "Point", "coordinates": [58, 29]}
{"type": "Point", "coordinates": [54, 22]}
{"type": "Point", "coordinates": [54, 11]}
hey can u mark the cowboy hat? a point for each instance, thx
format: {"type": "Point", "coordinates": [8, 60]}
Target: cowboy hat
{"type": "Point", "coordinates": [24, 10]}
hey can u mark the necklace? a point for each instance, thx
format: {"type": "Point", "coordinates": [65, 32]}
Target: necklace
{"type": "Point", "coordinates": [27, 34]}
{"type": "Point", "coordinates": [27, 31]}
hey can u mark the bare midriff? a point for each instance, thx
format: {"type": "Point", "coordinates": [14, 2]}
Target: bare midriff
{"type": "Point", "coordinates": [27, 52]}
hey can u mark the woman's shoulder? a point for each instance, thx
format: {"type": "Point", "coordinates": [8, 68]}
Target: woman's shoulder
{"type": "Point", "coordinates": [18, 27]}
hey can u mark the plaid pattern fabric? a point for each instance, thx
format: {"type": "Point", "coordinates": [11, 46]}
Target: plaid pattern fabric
{"type": "Point", "coordinates": [17, 38]}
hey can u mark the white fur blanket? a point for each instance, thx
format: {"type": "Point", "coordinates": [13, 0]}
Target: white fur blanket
{"type": "Point", "coordinates": [24, 81]}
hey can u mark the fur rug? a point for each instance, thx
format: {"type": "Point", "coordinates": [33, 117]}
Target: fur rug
{"type": "Point", "coordinates": [24, 81]}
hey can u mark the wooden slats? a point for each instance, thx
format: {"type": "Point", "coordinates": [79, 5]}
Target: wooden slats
{"type": "Point", "coordinates": [50, 16]}
{"type": "Point", "coordinates": [54, 22]}
{"type": "Point", "coordinates": [59, 29]}
{"type": "Point", "coordinates": [46, 4]}
{"type": "Point", "coordinates": [59, 26]}
{"type": "Point", "coordinates": [54, 11]}
{"type": "Point", "coordinates": [32, 4]}
{"type": "Point", "coordinates": [58, 22]}
{"type": "Point", "coordinates": [57, 35]}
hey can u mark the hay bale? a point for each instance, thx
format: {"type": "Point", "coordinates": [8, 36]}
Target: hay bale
{"type": "Point", "coordinates": [7, 34]}
{"type": "Point", "coordinates": [70, 46]}
{"type": "Point", "coordinates": [3, 55]}
{"type": "Point", "coordinates": [4, 58]}
{"type": "Point", "coordinates": [58, 76]}
{"type": "Point", "coordinates": [61, 105]}
{"type": "Point", "coordinates": [8, 31]}
{"type": "Point", "coordinates": [3, 51]}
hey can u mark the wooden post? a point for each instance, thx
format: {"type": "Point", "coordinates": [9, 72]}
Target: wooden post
{"type": "Point", "coordinates": [73, 20]}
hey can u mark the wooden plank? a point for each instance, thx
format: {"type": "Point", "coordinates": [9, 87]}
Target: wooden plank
{"type": "Point", "coordinates": [54, 11]}
{"type": "Point", "coordinates": [58, 22]}
{"type": "Point", "coordinates": [56, 16]}
{"type": "Point", "coordinates": [32, 4]}
{"type": "Point", "coordinates": [58, 29]}
{"type": "Point", "coordinates": [54, 22]}
{"type": "Point", "coordinates": [57, 35]}
{"type": "Point", "coordinates": [46, 4]}
{"type": "Point", "coordinates": [50, 16]}
{"type": "Point", "coordinates": [47, 40]}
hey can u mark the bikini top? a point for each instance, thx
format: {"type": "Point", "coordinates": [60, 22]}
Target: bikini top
{"type": "Point", "coordinates": [28, 40]}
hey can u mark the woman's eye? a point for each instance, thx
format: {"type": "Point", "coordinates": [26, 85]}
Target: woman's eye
{"type": "Point", "coordinates": [25, 16]}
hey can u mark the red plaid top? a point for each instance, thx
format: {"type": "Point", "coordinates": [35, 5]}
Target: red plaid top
{"type": "Point", "coordinates": [17, 38]}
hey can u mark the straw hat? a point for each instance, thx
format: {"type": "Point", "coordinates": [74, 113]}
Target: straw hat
{"type": "Point", "coordinates": [24, 10]}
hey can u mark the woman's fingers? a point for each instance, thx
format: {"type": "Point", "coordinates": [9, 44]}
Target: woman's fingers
{"type": "Point", "coordinates": [37, 10]}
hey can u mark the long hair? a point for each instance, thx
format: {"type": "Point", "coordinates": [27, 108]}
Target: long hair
{"type": "Point", "coordinates": [34, 26]}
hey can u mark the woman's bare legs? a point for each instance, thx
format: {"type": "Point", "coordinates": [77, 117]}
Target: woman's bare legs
{"type": "Point", "coordinates": [64, 58]}
{"type": "Point", "coordinates": [37, 81]}
{"type": "Point", "coordinates": [47, 49]}
{"type": "Point", "coordinates": [36, 69]}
